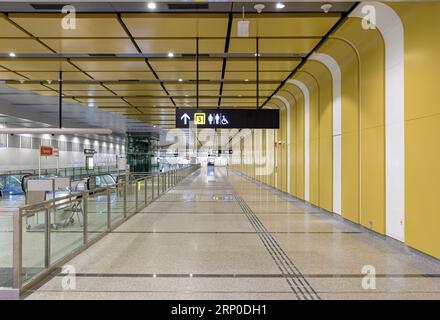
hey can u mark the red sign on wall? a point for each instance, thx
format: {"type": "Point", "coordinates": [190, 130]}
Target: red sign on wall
{"type": "Point", "coordinates": [46, 151]}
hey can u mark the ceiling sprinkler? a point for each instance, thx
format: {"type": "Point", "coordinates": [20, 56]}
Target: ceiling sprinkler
{"type": "Point", "coordinates": [326, 7]}
{"type": "Point", "coordinates": [259, 7]}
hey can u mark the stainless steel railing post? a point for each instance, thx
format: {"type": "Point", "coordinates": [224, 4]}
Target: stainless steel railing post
{"type": "Point", "coordinates": [146, 191]}
{"type": "Point", "coordinates": [17, 262]}
{"type": "Point", "coordinates": [152, 187]}
{"type": "Point", "coordinates": [125, 199]}
{"type": "Point", "coordinates": [158, 184]}
{"type": "Point", "coordinates": [109, 214]}
{"type": "Point", "coordinates": [47, 238]}
{"type": "Point", "coordinates": [136, 184]}
{"type": "Point", "coordinates": [85, 218]}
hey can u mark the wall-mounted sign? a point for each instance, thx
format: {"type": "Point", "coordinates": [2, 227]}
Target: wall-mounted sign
{"type": "Point", "coordinates": [228, 118]}
{"type": "Point", "coordinates": [89, 152]}
{"type": "Point", "coordinates": [46, 151]}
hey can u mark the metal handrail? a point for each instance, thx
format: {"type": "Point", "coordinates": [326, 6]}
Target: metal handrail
{"type": "Point", "coordinates": [165, 181]}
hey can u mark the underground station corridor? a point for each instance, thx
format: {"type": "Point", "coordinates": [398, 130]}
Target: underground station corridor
{"type": "Point", "coordinates": [219, 157]}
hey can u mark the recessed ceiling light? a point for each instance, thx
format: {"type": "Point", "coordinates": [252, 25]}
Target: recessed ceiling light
{"type": "Point", "coordinates": [170, 54]}
{"type": "Point", "coordinates": [246, 80]}
{"type": "Point", "coordinates": [280, 5]}
{"type": "Point", "coordinates": [151, 5]}
{"type": "Point", "coordinates": [12, 55]}
{"type": "Point", "coordinates": [180, 80]}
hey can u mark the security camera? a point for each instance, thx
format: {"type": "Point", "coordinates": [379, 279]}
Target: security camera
{"type": "Point", "coordinates": [326, 7]}
{"type": "Point", "coordinates": [259, 7]}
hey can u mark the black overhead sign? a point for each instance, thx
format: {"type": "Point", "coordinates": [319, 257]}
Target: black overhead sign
{"type": "Point", "coordinates": [228, 118]}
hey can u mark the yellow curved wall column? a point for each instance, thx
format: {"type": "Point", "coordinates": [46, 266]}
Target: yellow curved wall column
{"type": "Point", "coordinates": [372, 121]}
{"type": "Point", "coordinates": [325, 160]}
{"type": "Point", "coordinates": [346, 57]}
{"type": "Point", "coordinates": [313, 87]}
{"type": "Point", "coordinates": [297, 139]}
{"type": "Point", "coordinates": [422, 124]}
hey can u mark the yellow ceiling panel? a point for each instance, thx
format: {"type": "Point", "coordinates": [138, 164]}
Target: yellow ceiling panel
{"type": "Point", "coordinates": [111, 65]}
{"type": "Point", "coordinates": [118, 75]}
{"type": "Point", "coordinates": [247, 92]}
{"type": "Point", "coordinates": [9, 76]}
{"type": "Point", "coordinates": [136, 100]}
{"type": "Point", "coordinates": [110, 104]}
{"type": "Point", "coordinates": [249, 86]}
{"type": "Point", "coordinates": [87, 25]}
{"type": "Point", "coordinates": [153, 104]}
{"type": "Point", "coordinates": [162, 111]}
{"type": "Point", "coordinates": [102, 100]}
{"type": "Point", "coordinates": [91, 45]}
{"type": "Point", "coordinates": [212, 45]}
{"type": "Point", "coordinates": [54, 75]}
{"type": "Point", "coordinates": [264, 64]}
{"type": "Point", "coordinates": [203, 75]}
{"type": "Point", "coordinates": [22, 46]}
{"type": "Point", "coordinates": [290, 46]}
{"type": "Point", "coordinates": [185, 65]}
{"type": "Point", "coordinates": [171, 75]}
{"type": "Point", "coordinates": [87, 93]}
{"type": "Point", "coordinates": [242, 45]}
{"type": "Point", "coordinates": [287, 25]}
{"type": "Point", "coordinates": [176, 25]}
{"type": "Point", "coordinates": [134, 86]}
{"type": "Point", "coordinates": [238, 75]}
{"type": "Point", "coordinates": [166, 45]}
{"type": "Point", "coordinates": [239, 100]}
{"type": "Point", "coordinates": [140, 92]}
{"type": "Point", "coordinates": [147, 110]}
{"type": "Point", "coordinates": [47, 93]}
{"type": "Point", "coordinates": [7, 29]}
{"type": "Point", "coordinates": [79, 87]}
{"type": "Point", "coordinates": [36, 65]}
{"type": "Point", "coordinates": [119, 109]}
{"type": "Point", "coordinates": [285, 65]}
{"type": "Point", "coordinates": [177, 86]}
{"type": "Point", "coordinates": [27, 86]}
{"type": "Point", "coordinates": [270, 75]}
{"type": "Point", "coordinates": [172, 65]}
{"type": "Point", "coordinates": [193, 92]}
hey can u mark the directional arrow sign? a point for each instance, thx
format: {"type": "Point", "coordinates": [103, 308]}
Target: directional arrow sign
{"type": "Point", "coordinates": [229, 118]}
{"type": "Point", "coordinates": [185, 118]}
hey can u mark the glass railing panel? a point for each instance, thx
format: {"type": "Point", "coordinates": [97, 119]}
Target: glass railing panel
{"type": "Point", "coordinates": [117, 205]}
{"type": "Point", "coordinates": [33, 244]}
{"type": "Point", "coordinates": [141, 189]}
{"type": "Point", "coordinates": [131, 198]}
{"type": "Point", "coordinates": [97, 209]}
{"type": "Point", "coordinates": [6, 244]}
{"type": "Point", "coordinates": [67, 220]}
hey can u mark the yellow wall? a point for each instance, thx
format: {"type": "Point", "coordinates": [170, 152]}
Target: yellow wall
{"type": "Point", "coordinates": [361, 57]}
{"type": "Point", "coordinates": [325, 123]}
{"type": "Point", "coordinates": [347, 59]}
{"type": "Point", "coordinates": [372, 121]}
{"type": "Point", "coordinates": [422, 125]}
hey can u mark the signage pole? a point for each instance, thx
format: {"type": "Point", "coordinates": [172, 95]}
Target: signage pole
{"type": "Point", "coordinates": [61, 100]}
{"type": "Point", "coordinates": [197, 72]}
{"type": "Point", "coordinates": [258, 71]}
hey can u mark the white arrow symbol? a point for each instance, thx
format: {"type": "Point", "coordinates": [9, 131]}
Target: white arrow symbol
{"type": "Point", "coordinates": [185, 118]}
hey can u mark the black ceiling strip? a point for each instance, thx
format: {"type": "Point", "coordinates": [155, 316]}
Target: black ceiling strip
{"type": "Point", "coordinates": [228, 39]}
{"type": "Point", "coordinates": [121, 22]}
{"type": "Point", "coordinates": [334, 28]}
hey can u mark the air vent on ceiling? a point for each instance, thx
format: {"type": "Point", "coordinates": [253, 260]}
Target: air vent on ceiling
{"type": "Point", "coordinates": [47, 6]}
{"type": "Point", "coordinates": [187, 6]}
{"type": "Point", "coordinates": [102, 55]}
